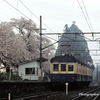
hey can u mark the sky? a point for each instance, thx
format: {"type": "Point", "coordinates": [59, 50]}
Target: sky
{"type": "Point", "coordinates": [55, 14]}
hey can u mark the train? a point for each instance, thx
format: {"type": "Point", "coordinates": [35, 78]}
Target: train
{"type": "Point", "coordinates": [66, 68]}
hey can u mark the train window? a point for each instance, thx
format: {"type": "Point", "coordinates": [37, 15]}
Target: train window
{"type": "Point", "coordinates": [70, 67]}
{"type": "Point", "coordinates": [63, 67]}
{"type": "Point", "coordinates": [55, 67]}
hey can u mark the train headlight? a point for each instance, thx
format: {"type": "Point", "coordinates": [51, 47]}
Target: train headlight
{"type": "Point", "coordinates": [73, 78]}
{"type": "Point", "coordinates": [63, 54]}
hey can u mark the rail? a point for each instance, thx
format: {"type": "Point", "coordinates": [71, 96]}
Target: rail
{"type": "Point", "coordinates": [37, 95]}
{"type": "Point", "coordinates": [86, 96]}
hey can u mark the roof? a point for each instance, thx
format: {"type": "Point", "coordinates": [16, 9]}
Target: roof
{"type": "Point", "coordinates": [63, 59]}
{"type": "Point", "coordinates": [37, 59]}
{"type": "Point", "coordinates": [67, 58]}
{"type": "Point", "coordinates": [43, 59]}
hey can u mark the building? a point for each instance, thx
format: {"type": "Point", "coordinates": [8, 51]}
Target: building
{"type": "Point", "coordinates": [31, 69]}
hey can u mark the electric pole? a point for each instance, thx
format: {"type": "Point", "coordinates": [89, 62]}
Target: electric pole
{"type": "Point", "coordinates": [41, 46]}
{"type": "Point", "coordinates": [40, 41]}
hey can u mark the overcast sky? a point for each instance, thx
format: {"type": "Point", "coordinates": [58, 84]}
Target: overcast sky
{"type": "Point", "coordinates": [55, 13]}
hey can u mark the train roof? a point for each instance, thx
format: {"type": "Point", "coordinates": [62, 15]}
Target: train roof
{"type": "Point", "coordinates": [67, 58]}
{"type": "Point", "coordinates": [63, 59]}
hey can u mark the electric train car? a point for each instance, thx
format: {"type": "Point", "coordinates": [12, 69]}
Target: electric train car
{"type": "Point", "coordinates": [69, 69]}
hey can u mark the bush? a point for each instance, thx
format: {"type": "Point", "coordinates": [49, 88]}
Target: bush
{"type": "Point", "coordinates": [15, 77]}
{"type": "Point", "coordinates": [25, 79]}
{"type": "Point", "coordinates": [5, 76]}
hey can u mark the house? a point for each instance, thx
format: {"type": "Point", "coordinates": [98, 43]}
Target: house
{"type": "Point", "coordinates": [31, 69]}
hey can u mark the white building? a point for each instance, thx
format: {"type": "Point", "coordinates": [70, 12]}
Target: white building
{"type": "Point", "coordinates": [31, 69]}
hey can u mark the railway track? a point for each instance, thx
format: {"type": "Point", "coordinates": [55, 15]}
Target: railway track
{"type": "Point", "coordinates": [90, 95]}
{"type": "Point", "coordinates": [60, 95]}
{"type": "Point", "coordinates": [38, 95]}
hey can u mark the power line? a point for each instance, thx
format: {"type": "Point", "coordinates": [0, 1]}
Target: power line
{"type": "Point", "coordinates": [16, 9]}
{"type": "Point", "coordinates": [25, 16]}
{"type": "Point", "coordinates": [84, 15]}
{"type": "Point", "coordinates": [89, 23]}
{"type": "Point", "coordinates": [88, 19]}
{"type": "Point", "coordinates": [36, 17]}
{"type": "Point", "coordinates": [34, 14]}
{"type": "Point", "coordinates": [87, 15]}
{"type": "Point", "coordinates": [5, 12]}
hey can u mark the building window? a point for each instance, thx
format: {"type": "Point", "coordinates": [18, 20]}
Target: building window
{"type": "Point", "coordinates": [55, 67]}
{"type": "Point", "coordinates": [63, 67]}
{"type": "Point", "coordinates": [70, 67]}
{"type": "Point", "coordinates": [29, 71]}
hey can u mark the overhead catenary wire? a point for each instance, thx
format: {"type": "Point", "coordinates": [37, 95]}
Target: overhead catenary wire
{"type": "Point", "coordinates": [84, 16]}
{"type": "Point", "coordinates": [9, 7]}
{"type": "Point", "coordinates": [90, 25]}
{"type": "Point", "coordinates": [87, 16]}
{"type": "Point", "coordinates": [89, 19]}
{"type": "Point", "coordinates": [24, 15]}
{"type": "Point", "coordinates": [37, 18]}
{"type": "Point", "coordinates": [34, 14]}
{"type": "Point", "coordinates": [16, 9]}
{"type": "Point", "coordinates": [88, 22]}
{"type": "Point", "coordinates": [7, 13]}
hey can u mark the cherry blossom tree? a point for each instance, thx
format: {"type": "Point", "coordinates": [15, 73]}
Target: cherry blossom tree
{"type": "Point", "coordinates": [20, 41]}
{"type": "Point", "coordinates": [12, 47]}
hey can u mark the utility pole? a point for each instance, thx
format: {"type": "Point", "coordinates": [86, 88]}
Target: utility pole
{"type": "Point", "coordinates": [40, 41]}
{"type": "Point", "coordinates": [9, 74]}
{"type": "Point", "coordinates": [41, 46]}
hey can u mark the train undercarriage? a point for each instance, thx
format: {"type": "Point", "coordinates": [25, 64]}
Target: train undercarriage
{"type": "Point", "coordinates": [71, 85]}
